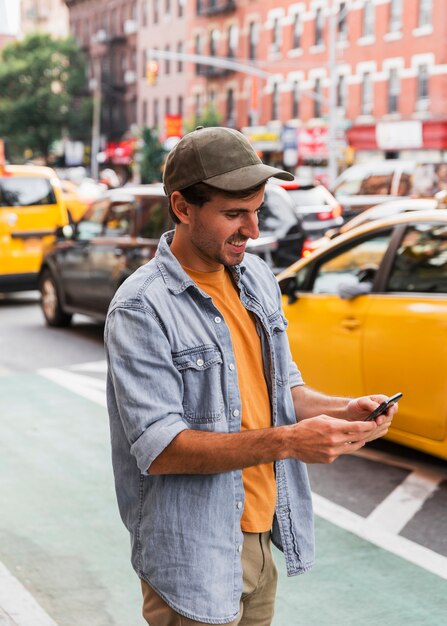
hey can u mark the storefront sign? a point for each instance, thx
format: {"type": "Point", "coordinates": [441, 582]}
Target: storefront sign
{"type": "Point", "coordinates": [312, 143]}
{"type": "Point", "coordinates": [399, 135]}
{"type": "Point", "coordinates": [264, 138]}
{"type": "Point", "coordinates": [173, 125]}
{"type": "Point", "coordinates": [120, 153]}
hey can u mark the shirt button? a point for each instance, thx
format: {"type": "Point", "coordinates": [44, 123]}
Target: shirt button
{"type": "Point", "coordinates": [239, 548]}
{"type": "Point", "coordinates": [218, 319]}
{"type": "Point", "coordinates": [231, 366]}
{"type": "Point", "coordinates": [199, 362]}
{"type": "Point", "coordinates": [236, 413]}
{"type": "Point", "coordinates": [239, 505]}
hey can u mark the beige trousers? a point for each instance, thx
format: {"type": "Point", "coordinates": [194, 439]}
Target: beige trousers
{"type": "Point", "coordinates": [258, 595]}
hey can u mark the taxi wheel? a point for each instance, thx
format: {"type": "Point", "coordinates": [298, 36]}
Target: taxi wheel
{"type": "Point", "coordinates": [51, 305]}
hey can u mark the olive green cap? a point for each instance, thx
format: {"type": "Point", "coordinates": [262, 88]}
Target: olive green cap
{"type": "Point", "coordinates": [220, 157]}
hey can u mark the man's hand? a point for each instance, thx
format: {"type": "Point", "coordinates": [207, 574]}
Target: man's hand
{"type": "Point", "coordinates": [360, 408]}
{"type": "Point", "coordinates": [322, 439]}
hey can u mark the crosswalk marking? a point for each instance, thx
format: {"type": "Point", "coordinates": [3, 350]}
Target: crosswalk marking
{"type": "Point", "coordinates": [363, 528]}
{"type": "Point", "coordinates": [402, 504]}
{"type": "Point", "coordinates": [85, 386]}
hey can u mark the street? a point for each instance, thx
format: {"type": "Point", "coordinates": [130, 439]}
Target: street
{"type": "Point", "coordinates": [64, 554]}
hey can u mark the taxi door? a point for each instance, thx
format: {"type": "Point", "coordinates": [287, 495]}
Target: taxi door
{"type": "Point", "coordinates": [30, 211]}
{"type": "Point", "coordinates": [406, 334]}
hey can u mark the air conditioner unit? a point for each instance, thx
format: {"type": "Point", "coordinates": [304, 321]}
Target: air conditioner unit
{"type": "Point", "coordinates": [130, 27]}
{"type": "Point", "coordinates": [129, 77]}
{"type": "Point", "coordinates": [100, 36]}
{"type": "Point", "coordinates": [423, 104]}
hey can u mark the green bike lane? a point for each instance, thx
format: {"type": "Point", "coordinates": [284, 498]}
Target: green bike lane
{"type": "Point", "coordinates": [62, 539]}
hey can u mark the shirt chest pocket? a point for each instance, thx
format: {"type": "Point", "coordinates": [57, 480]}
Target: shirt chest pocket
{"type": "Point", "coordinates": [201, 370]}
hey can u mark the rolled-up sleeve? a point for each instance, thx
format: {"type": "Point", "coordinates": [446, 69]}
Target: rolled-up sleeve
{"type": "Point", "coordinates": [144, 388]}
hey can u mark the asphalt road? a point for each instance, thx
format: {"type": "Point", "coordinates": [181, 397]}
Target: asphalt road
{"type": "Point", "coordinates": [64, 555]}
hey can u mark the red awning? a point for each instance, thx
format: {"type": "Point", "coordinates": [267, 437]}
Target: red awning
{"type": "Point", "coordinates": [434, 136]}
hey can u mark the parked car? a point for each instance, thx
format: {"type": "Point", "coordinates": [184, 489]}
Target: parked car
{"type": "Point", "coordinates": [314, 204]}
{"type": "Point", "coordinates": [32, 206]}
{"type": "Point", "coordinates": [387, 209]}
{"type": "Point", "coordinates": [281, 233]}
{"type": "Point", "coordinates": [83, 268]}
{"type": "Point", "coordinates": [367, 314]}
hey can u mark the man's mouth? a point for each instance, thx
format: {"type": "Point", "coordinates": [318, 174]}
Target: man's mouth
{"type": "Point", "coordinates": [239, 244]}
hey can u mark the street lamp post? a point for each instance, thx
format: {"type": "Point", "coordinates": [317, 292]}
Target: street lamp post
{"type": "Point", "coordinates": [96, 118]}
{"type": "Point", "coordinates": [332, 114]}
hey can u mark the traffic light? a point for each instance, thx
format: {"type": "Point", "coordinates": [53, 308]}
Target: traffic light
{"type": "Point", "coordinates": [151, 72]}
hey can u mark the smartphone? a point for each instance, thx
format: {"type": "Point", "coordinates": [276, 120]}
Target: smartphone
{"type": "Point", "coordinates": [383, 408]}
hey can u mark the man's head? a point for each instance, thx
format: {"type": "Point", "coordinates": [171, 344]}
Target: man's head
{"type": "Point", "coordinates": [215, 183]}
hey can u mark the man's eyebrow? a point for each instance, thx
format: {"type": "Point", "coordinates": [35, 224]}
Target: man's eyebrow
{"type": "Point", "coordinates": [241, 209]}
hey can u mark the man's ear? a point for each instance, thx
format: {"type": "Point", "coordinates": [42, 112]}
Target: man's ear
{"type": "Point", "coordinates": [180, 207]}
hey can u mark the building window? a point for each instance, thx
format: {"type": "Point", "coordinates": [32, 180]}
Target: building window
{"type": "Point", "coordinates": [318, 96]}
{"type": "Point", "coordinates": [144, 8]}
{"type": "Point", "coordinates": [395, 24]}
{"type": "Point", "coordinates": [198, 50]}
{"type": "Point", "coordinates": [341, 92]}
{"type": "Point", "coordinates": [295, 99]}
{"type": "Point", "coordinates": [422, 86]}
{"type": "Point", "coordinates": [233, 40]}
{"type": "Point", "coordinates": [342, 21]}
{"type": "Point", "coordinates": [253, 34]}
{"type": "Point", "coordinates": [180, 106]}
{"type": "Point", "coordinates": [180, 61]}
{"type": "Point", "coordinates": [180, 7]}
{"type": "Point", "coordinates": [275, 102]}
{"type": "Point", "coordinates": [368, 19]}
{"type": "Point", "coordinates": [425, 9]}
{"type": "Point", "coordinates": [197, 106]}
{"type": "Point", "coordinates": [276, 35]}
{"type": "Point", "coordinates": [144, 63]}
{"type": "Point", "coordinates": [155, 11]}
{"type": "Point", "coordinates": [167, 7]}
{"type": "Point", "coordinates": [230, 108]}
{"type": "Point", "coordinates": [367, 94]}
{"type": "Point", "coordinates": [319, 26]}
{"type": "Point", "coordinates": [168, 106]}
{"type": "Point", "coordinates": [296, 31]}
{"type": "Point", "coordinates": [393, 91]}
{"type": "Point", "coordinates": [155, 113]}
{"type": "Point", "coordinates": [167, 62]}
{"type": "Point", "coordinates": [214, 42]}
{"type": "Point", "coordinates": [144, 113]}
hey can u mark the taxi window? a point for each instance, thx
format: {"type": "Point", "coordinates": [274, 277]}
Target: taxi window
{"type": "Point", "coordinates": [153, 217]}
{"type": "Point", "coordinates": [119, 219]}
{"type": "Point", "coordinates": [92, 224]}
{"type": "Point", "coordinates": [420, 264]}
{"type": "Point", "coordinates": [348, 265]}
{"type": "Point", "coordinates": [26, 191]}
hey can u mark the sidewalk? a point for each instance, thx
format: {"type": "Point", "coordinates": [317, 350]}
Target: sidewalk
{"type": "Point", "coordinates": [17, 605]}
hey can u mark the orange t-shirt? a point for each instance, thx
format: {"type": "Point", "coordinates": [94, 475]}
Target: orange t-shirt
{"type": "Point", "coordinates": [259, 480]}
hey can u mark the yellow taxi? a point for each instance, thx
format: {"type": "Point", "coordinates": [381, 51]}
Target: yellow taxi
{"type": "Point", "coordinates": [31, 208]}
{"type": "Point", "coordinates": [368, 314]}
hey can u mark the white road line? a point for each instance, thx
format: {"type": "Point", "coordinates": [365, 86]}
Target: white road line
{"type": "Point", "coordinates": [19, 604]}
{"type": "Point", "coordinates": [363, 528]}
{"type": "Point", "coordinates": [87, 387]}
{"type": "Point", "coordinates": [92, 366]}
{"type": "Point", "coordinates": [402, 504]}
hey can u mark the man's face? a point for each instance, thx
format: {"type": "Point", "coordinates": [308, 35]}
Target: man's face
{"type": "Point", "coordinates": [218, 231]}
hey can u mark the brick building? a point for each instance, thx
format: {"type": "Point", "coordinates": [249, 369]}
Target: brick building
{"type": "Point", "coordinates": [48, 16]}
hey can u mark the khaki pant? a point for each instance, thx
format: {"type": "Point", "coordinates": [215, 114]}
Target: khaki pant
{"type": "Point", "coordinates": [258, 594]}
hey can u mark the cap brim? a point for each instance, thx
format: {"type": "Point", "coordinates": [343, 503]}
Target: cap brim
{"type": "Point", "coordinates": [246, 177]}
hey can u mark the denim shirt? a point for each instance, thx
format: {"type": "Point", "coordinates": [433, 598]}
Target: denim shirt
{"type": "Point", "coordinates": [171, 367]}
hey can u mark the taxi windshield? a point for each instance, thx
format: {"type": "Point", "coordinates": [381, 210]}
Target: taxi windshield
{"type": "Point", "coordinates": [26, 191]}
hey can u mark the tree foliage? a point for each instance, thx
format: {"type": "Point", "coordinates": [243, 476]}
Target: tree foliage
{"type": "Point", "coordinates": [152, 157]}
{"type": "Point", "coordinates": [42, 93]}
{"type": "Point", "coordinates": [209, 117]}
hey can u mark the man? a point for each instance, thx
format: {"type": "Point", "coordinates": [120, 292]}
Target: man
{"type": "Point", "coordinates": [211, 423]}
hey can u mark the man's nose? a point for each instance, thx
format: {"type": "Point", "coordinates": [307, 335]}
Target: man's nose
{"type": "Point", "coordinates": [250, 227]}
